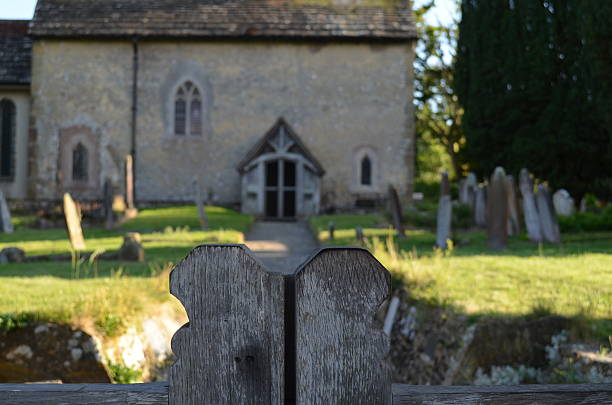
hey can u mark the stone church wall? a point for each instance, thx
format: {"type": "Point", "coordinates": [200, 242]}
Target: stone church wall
{"type": "Point", "coordinates": [341, 99]}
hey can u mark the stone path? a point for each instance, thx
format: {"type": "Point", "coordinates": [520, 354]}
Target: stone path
{"type": "Point", "coordinates": [281, 246]}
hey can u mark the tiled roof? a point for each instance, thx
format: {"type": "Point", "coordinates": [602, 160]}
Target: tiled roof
{"type": "Point", "coordinates": [376, 19]}
{"type": "Point", "coordinates": [15, 52]}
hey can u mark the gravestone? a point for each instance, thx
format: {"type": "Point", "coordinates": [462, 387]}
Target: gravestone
{"type": "Point", "coordinates": [480, 206]}
{"type": "Point", "coordinates": [563, 203]}
{"type": "Point", "coordinates": [514, 224]}
{"type": "Point", "coordinates": [6, 225]}
{"type": "Point", "coordinates": [359, 235]}
{"type": "Point", "coordinates": [548, 219]}
{"type": "Point", "coordinates": [131, 211]}
{"type": "Point", "coordinates": [73, 223]}
{"type": "Point", "coordinates": [467, 190]}
{"type": "Point", "coordinates": [497, 211]}
{"type": "Point", "coordinates": [443, 223]}
{"type": "Point", "coordinates": [396, 211]}
{"type": "Point", "coordinates": [199, 201]}
{"type": "Point", "coordinates": [530, 210]}
{"type": "Point", "coordinates": [131, 250]}
{"type": "Point", "coordinates": [107, 204]}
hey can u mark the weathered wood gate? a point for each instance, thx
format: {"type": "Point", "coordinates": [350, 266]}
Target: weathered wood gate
{"type": "Point", "coordinates": [256, 337]}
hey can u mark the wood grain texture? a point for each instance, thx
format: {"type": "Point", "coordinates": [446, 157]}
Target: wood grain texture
{"type": "Point", "coordinates": [340, 351]}
{"type": "Point", "coordinates": [583, 394]}
{"type": "Point", "coordinates": [84, 394]}
{"type": "Point", "coordinates": [232, 349]}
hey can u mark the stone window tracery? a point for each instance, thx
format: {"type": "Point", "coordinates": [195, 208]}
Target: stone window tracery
{"type": "Point", "coordinates": [188, 110]}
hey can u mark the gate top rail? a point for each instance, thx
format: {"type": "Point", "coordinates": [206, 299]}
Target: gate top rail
{"type": "Point", "coordinates": [257, 337]}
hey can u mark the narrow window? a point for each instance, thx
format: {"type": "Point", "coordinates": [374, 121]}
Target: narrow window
{"type": "Point", "coordinates": [80, 164]}
{"type": "Point", "coordinates": [7, 138]}
{"type": "Point", "coordinates": [188, 110]}
{"type": "Point", "coordinates": [180, 113]}
{"type": "Point", "coordinates": [366, 171]}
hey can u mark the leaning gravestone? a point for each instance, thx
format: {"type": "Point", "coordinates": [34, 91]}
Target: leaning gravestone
{"type": "Point", "coordinates": [548, 219]}
{"type": "Point", "coordinates": [497, 211]}
{"type": "Point", "coordinates": [73, 223]}
{"type": "Point", "coordinates": [514, 224]}
{"type": "Point", "coordinates": [530, 210]}
{"type": "Point", "coordinates": [396, 211]}
{"type": "Point", "coordinates": [443, 223]}
{"type": "Point", "coordinates": [564, 203]}
{"type": "Point", "coordinates": [6, 225]}
{"type": "Point", "coordinates": [480, 206]}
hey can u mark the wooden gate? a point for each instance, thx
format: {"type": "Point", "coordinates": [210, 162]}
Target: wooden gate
{"type": "Point", "coordinates": [256, 337]}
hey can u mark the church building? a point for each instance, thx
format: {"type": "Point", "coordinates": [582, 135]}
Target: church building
{"type": "Point", "coordinates": [284, 108]}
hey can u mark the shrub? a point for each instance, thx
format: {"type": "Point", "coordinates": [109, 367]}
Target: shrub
{"type": "Point", "coordinates": [587, 221]}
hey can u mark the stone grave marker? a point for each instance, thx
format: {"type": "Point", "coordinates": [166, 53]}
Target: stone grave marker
{"type": "Point", "coordinates": [6, 224]}
{"type": "Point", "coordinates": [331, 227]}
{"type": "Point", "coordinates": [396, 211]}
{"type": "Point", "coordinates": [497, 211]}
{"type": "Point", "coordinates": [467, 190]}
{"type": "Point", "coordinates": [563, 203]}
{"type": "Point", "coordinates": [445, 209]}
{"type": "Point", "coordinates": [73, 223]}
{"type": "Point", "coordinates": [199, 201]}
{"type": "Point", "coordinates": [131, 249]}
{"type": "Point", "coordinates": [548, 219]}
{"type": "Point", "coordinates": [480, 206]}
{"type": "Point", "coordinates": [514, 223]}
{"type": "Point", "coordinates": [359, 235]}
{"type": "Point", "coordinates": [530, 210]}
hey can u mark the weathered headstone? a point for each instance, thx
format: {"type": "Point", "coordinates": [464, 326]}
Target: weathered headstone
{"type": "Point", "coordinates": [199, 201]}
{"type": "Point", "coordinates": [530, 210]}
{"type": "Point", "coordinates": [480, 206]}
{"type": "Point", "coordinates": [359, 235]}
{"type": "Point", "coordinates": [497, 211]}
{"type": "Point", "coordinates": [514, 223]}
{"type": "Point", "coordinates": [563, 203]}
{"type": "Point", "coordinates": [73, 223]}
{"type": "Point", "coordinates": [12, 255]}
{"type": "Point", "coordinates": [396, 211]}
{"type": "Point", "coordinates": [131, 211]}
{"type": "Point", "coordinates": [445, 208]}
{"type": "Point", "coordinates": [548, 219]}
{"type": "Point", "coordinates": [467, 190]}
{"type": "Point", "coordinates": [131, 250]}
{"type": "Point", "coordinates": [6, 225]}
{"type": "Point", "coordinates": [107, 204]}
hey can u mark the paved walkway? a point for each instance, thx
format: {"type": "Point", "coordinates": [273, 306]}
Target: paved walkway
{"type": "Point", "coordinates": [281, 246]}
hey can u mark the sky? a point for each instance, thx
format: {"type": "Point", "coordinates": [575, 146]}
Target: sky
{"type": "Point", "coordinates": [24, 9]}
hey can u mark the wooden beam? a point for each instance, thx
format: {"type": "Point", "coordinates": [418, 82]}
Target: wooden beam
{"type": "Point", "coordinates": [84, 394]}
{"type": "Point", "coordinates": [585, 394]}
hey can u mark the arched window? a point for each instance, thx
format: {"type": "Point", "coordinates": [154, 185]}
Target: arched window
{"type": "Point", "coordinates": [366, 171]}
{"type": "Point", "coordinates": [7, 139]}
{"type": "Point", "coordinates": [80, 163]}
{"type": "Point", "coordinates": [188, 110]}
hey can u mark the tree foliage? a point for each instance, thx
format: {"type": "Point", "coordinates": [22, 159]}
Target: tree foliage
{"type": "Point", "coordinates": [534, 77]}
{"type": "Point", "coordinates": [438, 114]}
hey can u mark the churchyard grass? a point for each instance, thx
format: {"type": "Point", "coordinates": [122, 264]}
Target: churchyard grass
{"type": "Point", "coordinates": [573, 279]}
{"type": "Point", "coordinates": [107, 293]}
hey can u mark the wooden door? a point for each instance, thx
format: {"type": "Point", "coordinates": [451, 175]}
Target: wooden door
{"type": "Point", "coordinates": [280, 189]}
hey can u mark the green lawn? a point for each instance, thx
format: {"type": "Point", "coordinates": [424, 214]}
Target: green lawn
{"type": "Point", "coordinates": [108, 293]}
{"type": "Point", "coordinates": [572, 279]}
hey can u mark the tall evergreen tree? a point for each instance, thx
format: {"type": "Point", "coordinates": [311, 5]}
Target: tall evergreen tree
{"type": "Point", "coordinates": [534, 79]}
